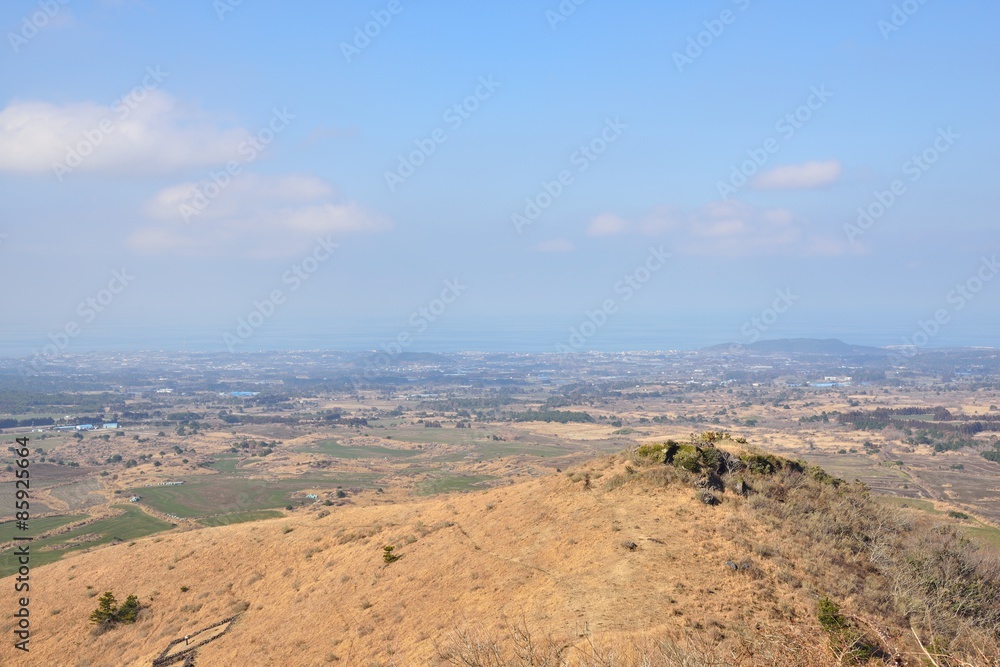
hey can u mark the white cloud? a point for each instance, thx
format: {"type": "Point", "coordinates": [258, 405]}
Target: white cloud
{"type": "Point", "coordinates": [736, 228]}
{"type": "Point", "coordinates": [805, 176]}
{"type": "Point", "coordinates": [254, 216]}
{"type": "Point", "coordinates": [733, 229]}
{"type": "Point", "coordinates": [145, 131]}
{"type": "Point", "coordinates": [607, 225]}
{"type": "Point", "coordinates": [555, 245]}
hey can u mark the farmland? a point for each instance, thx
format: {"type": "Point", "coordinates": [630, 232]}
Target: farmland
{"type": "Point", "coordinates": [219, 495]}
{"type": "Point", "coordinates": [239, 517]}
{"type": "Point", "coordinates": [8, 529]}
{"type": "Point", "coordinates": [131, 524]}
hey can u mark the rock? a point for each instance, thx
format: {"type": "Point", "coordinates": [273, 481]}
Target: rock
{"type": "Point", "coordinates": [732, 566]}
{"type": "Point", "coordinates": [742, 488]}
{"type": "Point", "coordinates": [708, 498]}
{"type": "Point", "coordinates": [631, 546]}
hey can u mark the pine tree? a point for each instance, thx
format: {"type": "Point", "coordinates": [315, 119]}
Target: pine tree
{"type": "Point", "coordinates": [129, 610]}
{"type": "Point", "coordinates": [109, 614]}
{"type": "Point", "coordinates": [106, 609]}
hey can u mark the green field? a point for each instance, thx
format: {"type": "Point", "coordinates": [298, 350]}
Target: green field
{"type": "Point", "coordinates": [226, 463]}
{"type": "Point", "coordinates": [218, 494]}
{"type": "Point", "coordinates": [222, 494]}
{"type": "Point", "coordinates": [984, 533]}
{"type": "Point", "coordinates": [133, 523]}
{"type": "Point", "coordinates": [493, 449]}
{"type": "Point", "coordinates": [923, 505]}
{"type": "Point", "coordinates": [333, 448]}
{"type": "Point", "coordinates": [452, 483]}
{"type": "Point", "coordinates": [240, 517]}
{"type": "Point", "coordinates": [37, 526]}
{"type": "Point", "coordinates": [447, 436]}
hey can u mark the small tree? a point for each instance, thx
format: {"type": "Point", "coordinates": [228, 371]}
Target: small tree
{"type": "Point", "coordinates": [108, 614]}
{"type": "Point", "coordinates": [106, 608]}
{"type": "Point", "coordinates": [388, 556]}
{"type": "Point", "coordinates": [129, 610]}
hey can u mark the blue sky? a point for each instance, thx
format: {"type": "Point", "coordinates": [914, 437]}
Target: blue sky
{"type": "Point", "coordinates": [313, 126]}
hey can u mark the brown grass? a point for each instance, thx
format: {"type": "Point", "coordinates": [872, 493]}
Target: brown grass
{"type": "Point", "coordinates": [548, 553]}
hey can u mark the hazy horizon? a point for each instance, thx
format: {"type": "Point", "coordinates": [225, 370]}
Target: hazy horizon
{"type": "Point", "coordinates": [382, 336]}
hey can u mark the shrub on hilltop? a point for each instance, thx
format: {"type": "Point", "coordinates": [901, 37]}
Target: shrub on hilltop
{"type": "Point", "coordinates": [931, 587]}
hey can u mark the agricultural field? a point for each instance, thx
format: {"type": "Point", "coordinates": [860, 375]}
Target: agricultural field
{"type": "Point", "coordinates": [8, 529]}
{"type": "Point", "coordinates": [975, 528]}
{"type": "Point", "coordinates": [7, 500]}
{"type": "Point", "coordinates": [78, 495]}
{"type": "Point", "coordinates": [221, 494]}
{"type": "Point", "coordinates": [131, 524]}
{"type": "Point", "coordinates": [334, 449]}
{"type": "Point", "coordinates": [240, 517]}
{"type": "Point", "coordinates": [218, 495]}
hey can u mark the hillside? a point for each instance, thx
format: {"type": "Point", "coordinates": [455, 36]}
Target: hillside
{"type": "Point", "coordinates": [621, 554]}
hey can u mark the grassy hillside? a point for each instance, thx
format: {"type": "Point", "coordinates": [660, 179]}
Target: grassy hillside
{"type": "Point", "coordinates": [662, 556]}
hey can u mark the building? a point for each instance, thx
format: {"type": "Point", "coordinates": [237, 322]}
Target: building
{"type": "Point", "coordinates": [110, 425]}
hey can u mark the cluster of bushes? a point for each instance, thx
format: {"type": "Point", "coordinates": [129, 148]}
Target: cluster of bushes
{"type": "Point", "coordinates": [944, 420]}
{"type": "Point", "coordinates": [823, 417]}
{"type": "Point", "coordinates": [109, 613]}
{"type": "Point", "coordinates": [255, 447]}
{"type": "Point", "coordinates": [709, 459]}
{"type": "Point", "coordinates": [559, 416]}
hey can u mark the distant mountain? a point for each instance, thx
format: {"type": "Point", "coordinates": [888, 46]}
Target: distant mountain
{"type": "Point", "coordinates": [828, 346]}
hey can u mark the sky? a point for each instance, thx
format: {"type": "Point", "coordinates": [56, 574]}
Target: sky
{"type": "Point", "coordinates": [227, 175]}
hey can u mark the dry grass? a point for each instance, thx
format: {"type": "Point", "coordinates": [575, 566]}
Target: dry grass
{"type": "Point", "coordinates": [547, 552]}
